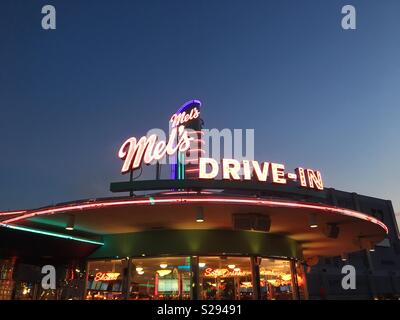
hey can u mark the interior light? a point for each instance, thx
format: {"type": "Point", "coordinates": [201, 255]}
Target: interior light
{"type": "Point", "coordinates": [286, 277]}
{"type": "Point", "coordinates": [163, 265]}
{"type": "Point", "coordinates": [371, 247]}
{"type": "Point", "coordinates": [70, 223]}
{"type": "Point", "coordinates": [164, 272]}
{"type": "Point", "coordinates": [231, 266]}
{"type": "Point", "coordinates": [202, 264]}
{"type": "Point", "coordinates": [199, 214]}
{"type": "Point", "coordinates": [313, 221]}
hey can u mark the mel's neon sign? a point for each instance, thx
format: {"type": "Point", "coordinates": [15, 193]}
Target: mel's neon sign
{"type": "Point", "coordinates": [134, 152]}
{"type": "Point", "coordinates": [147, 149]}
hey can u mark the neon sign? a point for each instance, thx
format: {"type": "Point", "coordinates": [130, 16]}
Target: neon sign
{"type": "Point", "coordinates": [223, 273]}
{"type": "Point", "coordinates": [106, 276]}
{"type": "Point", "coordinates": [264, 172]}
{"type": "Point", "coordinates": [183, 117]}
{"type": "Point", "coordinates": [147, 149]}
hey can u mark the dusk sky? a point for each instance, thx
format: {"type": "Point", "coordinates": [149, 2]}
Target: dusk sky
{"type": "Point", "coordinates": [317, 95]}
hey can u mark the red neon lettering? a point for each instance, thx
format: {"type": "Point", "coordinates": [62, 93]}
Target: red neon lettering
{"type": "Point", "coordinates": [213, 273]}
{"type": "Point", "coordinates": [106, 276]}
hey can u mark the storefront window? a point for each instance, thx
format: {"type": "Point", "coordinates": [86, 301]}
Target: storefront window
{"type": "Point", "coordinates": [160, 278]}
{"type": "Point", "coordinates": [172, 278]}
{"type": "Point", "coordinates": [6, 280]}
{"type": "Point", "coordinates": [276, 279]}
{"type": "Point", "coordinates": [105, 280]}
{"type": "Point", "coordinates": [225, 278]}
{"type": "Point", "coordinates": [27, 281]}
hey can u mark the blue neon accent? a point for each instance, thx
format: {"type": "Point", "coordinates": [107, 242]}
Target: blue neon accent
{"type": "Point", "coordinates": [188, 104]}
{"type": "Point", "coordinates": [176, 169]}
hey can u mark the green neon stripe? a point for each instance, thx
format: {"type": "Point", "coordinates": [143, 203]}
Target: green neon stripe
{"type": "Point", "coordinates": [183, 166]}
{"type": "Point", "coordinates": [52, 234]}
{"type": "Point", "coordinates": [180, 173]}
{"type": "Point", "coordinates": [178, 168]}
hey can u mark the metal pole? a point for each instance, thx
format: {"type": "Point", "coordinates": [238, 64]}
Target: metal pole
{"type": "Point", "coordinates": [131, 180]}
{"type": "Point", "coordinates": [256, 278]}
{"type": "Point", "coordinates": [126, 281]}
{"type": "Point", "coordinates": [158, 171]}
{"type": "Point", "coordinates": [85, 265]}
{"type": "Point", "coordinates": [194, 279]}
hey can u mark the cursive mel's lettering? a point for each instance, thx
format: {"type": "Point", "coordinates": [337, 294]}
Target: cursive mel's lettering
{"type": "Point", "coordinates": [148, 149]}
{"type": "Point", "coordinates": [183, 117]}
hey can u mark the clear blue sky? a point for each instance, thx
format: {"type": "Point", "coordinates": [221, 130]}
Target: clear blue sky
{"type": "Point", "coordinates": [315, 94]}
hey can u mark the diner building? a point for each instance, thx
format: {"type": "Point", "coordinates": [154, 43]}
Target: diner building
{"type": "Point", "coordinates": [189, 238]}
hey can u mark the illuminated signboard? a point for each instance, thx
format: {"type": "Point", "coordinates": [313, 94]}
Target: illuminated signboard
{"type": "Point", "coordinates": [223, 273]}
{"type": "Point", "coordinates": [106, 276]}
{"type": "Point", "coordinates": [264, 172]}
{"type": "Point", "coordinates": [188, 115]}
{"type": "Point", "coordinates": [184, 117]}
{"type": "Point", "coordinates": [146, 150]}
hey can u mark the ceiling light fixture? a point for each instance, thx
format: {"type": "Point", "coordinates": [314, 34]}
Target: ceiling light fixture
{"type": "Point", "coordinates": [313, 220]}
{"type": "Point", "coordinates": [199, 214]}
{"type": "Point", "coordinates": [70, 223]}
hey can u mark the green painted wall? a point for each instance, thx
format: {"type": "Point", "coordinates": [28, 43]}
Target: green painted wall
{"type": "Point", "coordinates": [197, 242]}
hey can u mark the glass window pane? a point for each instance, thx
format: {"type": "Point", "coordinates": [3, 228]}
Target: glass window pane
{"type": "Point", "coordinates": [276, 279]}
{"type": "Point", "coordinates": [225, 278]}
{"type": "Point", "coordinates": [105, 280]}
{"type": "Point", "coordinates": [160, 278]}
{"type": "Point", "coordinates": [301, 281]}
